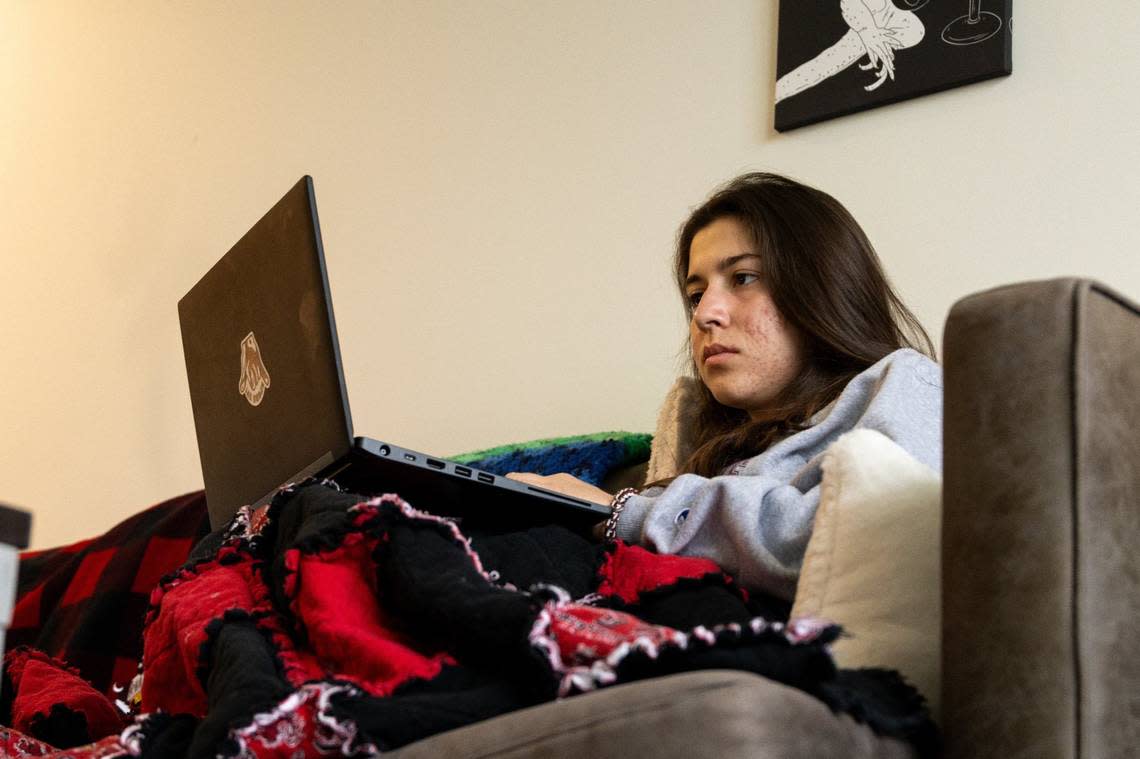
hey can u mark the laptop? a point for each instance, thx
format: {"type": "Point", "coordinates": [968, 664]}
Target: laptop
{"type": "Point", "coordinates": [269, 398]}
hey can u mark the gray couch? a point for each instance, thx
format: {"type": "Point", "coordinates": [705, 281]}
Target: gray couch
{"type": "Point", "coordinates": [1040, 578]}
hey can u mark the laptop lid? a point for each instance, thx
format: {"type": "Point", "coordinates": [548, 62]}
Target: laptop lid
{"type": "Point", "coordinates": [263, 362]}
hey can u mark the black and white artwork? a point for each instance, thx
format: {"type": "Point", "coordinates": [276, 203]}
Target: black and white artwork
{"type": "Point", "coordinates": [836, 57]}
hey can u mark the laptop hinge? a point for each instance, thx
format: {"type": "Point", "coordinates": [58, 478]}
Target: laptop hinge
{"type": "Point", "coordinates": [321, 463]}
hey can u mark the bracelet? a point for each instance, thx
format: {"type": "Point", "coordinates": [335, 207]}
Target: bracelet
{"type": "Point", "coordinates": [616, 506]}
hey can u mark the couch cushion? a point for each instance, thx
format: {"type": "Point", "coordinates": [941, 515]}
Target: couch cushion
{"type": "Point", "coordinates": [872, 563]}
{"type": "Point", "coordinates": [712, 713]}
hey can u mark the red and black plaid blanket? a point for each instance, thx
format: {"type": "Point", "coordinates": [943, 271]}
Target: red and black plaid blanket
{"type": "Point", "coordinates": [84, 603]}
{"type": "Point", "coordinates": [348, 626]}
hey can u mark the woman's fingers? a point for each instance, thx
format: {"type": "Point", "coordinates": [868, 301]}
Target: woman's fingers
{"type": "Point", "coordinates": [564, 483]}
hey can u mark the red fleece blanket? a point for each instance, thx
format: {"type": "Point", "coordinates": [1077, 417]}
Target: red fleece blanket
{"type": "Point", "coordinates": [349, 627]}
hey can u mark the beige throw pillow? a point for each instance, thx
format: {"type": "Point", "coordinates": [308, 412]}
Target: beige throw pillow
{"type": "Point", "coordinates": [873, 563]}
{"type": "Point", "coordinates": [675, 420]}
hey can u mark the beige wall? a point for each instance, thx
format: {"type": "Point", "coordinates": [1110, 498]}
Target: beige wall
{"type": "Point", "coordinates": [499, 185]}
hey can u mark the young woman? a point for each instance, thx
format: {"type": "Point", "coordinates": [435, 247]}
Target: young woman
{"type": "Point", "coordinates": [796, 337]}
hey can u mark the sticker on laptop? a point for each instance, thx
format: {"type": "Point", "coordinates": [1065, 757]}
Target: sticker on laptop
{"type": "Point", "coordinates": [254, 380]}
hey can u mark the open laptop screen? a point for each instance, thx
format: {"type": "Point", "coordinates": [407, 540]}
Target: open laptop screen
{"type": "Point", "coordinates": [263, 361]}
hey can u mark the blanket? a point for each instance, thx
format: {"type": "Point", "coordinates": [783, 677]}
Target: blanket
{"type": "Point", "coordinates": [84, 603]}
{"type": "Point", "coordinates": [348, 624]}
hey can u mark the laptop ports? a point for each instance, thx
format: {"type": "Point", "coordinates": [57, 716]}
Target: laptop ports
{"type": "Point", "coordinates": [435, 464]}
{"type": "Point", "coordinates": [462, 471]}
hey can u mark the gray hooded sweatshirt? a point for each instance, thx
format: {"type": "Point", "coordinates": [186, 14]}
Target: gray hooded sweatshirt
{"type": "Point", "coordinates": [755, 519]}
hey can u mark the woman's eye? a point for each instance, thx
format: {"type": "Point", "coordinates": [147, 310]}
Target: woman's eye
{"type": "Point", "coordinates": [694, 298]}
{"type": "Point", "coordinates": [745, 278]}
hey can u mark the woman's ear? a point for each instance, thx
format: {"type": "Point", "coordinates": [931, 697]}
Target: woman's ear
{"type": "Point", "coordinates": [673, 438]}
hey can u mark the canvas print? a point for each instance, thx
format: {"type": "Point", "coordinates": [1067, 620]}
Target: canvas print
{"type": "Point", "coordinates": [836, 57]}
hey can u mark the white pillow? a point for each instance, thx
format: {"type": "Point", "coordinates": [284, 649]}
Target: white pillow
{"type": "Point", "coordinates": [873, 563]}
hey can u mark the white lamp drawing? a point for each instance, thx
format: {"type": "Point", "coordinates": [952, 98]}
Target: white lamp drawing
{"type": "Point", "coordinates": [976, 26]}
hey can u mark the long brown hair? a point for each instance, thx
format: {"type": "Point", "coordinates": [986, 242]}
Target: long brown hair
{"type": "Point", "coordinates": [827, 282]}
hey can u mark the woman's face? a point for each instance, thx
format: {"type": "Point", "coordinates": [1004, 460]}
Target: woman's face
{"type": "Point", "coordinates": [743, 349]}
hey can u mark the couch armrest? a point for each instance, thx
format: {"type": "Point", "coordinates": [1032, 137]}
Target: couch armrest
{"type": "Point", "coordinates": [1041, 567]}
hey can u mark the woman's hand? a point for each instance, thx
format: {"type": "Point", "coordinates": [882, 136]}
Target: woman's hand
{"type": "Point", "coordinates": [567, 484]}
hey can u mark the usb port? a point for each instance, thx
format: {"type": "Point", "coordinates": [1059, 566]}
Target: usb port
{"type": "Point", "coordinates": [435, 463]}
{"type": "Point", "coordinates": [409, 457]}
{"type": "Point", "coordinates": [463, 471]}
{"type": "Point", "coordinates": [489, 479]}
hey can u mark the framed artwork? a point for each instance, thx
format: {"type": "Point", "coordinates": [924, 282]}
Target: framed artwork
{"type": "Point", "coordinates": [836, 57]}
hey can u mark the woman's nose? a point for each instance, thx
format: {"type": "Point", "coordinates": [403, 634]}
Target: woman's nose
{"type": "Point", "coordinates": [711, 310]}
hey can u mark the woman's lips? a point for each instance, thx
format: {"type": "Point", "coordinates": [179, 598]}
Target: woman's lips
{"type": "Point", "coordinates": [717, 354]}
